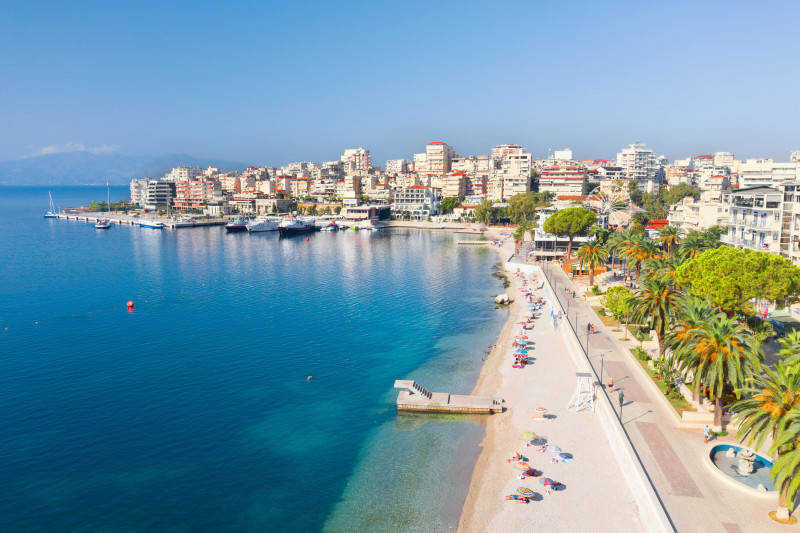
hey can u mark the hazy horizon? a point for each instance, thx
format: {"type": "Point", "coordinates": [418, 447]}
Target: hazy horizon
{"type": "Point", "coordinates": [273, 84]}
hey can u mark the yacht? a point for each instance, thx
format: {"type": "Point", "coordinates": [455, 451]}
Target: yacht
{"type": "Point", "coordinates": [52, 212]}
{"type": "Point", "coordinates": [291, 225]}
{"type": "Point", "coordinates": [103, 224]}
{"type": "Point", "coordinates": [237, 224]}
{"type": "Point", "coordinates": [331, 226]}
{"type": "Point", "coordinates": [263, 223]}
{"type": "Point", "coordinates": [148, 223]}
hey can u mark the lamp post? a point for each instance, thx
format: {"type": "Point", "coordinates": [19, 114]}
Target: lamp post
{"type": "Point", "coordinates": [602, 360]}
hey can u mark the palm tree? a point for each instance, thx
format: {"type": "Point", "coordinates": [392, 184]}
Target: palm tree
{"type": "Point", "coordinates": [692, 312]}
{"type": "Point", "coordinates": [790, 347]}
{"type": "Point", "coordinates": [663, 267]}
{"type": "Point", "coordinates": [643, 250]}
{"type": "Point", "coordinates": [669, 238]}
{"type": "Point", "coordinates": [692, 245]}
{"type": "Point", "coordinates": [657, 303]}
{"type": "Point", "coordinates": [613, 245]}
{"type": "Point", "coordinates": [771, 405]}
{"type": "Point", "coordinates": [724, 353]}
{"type": "Point", "coordinates": [591, 254]}
{"type": "Point", "coordinates": [785, 472]}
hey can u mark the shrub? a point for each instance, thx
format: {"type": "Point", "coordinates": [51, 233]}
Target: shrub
{"type": "Point", "coordinates": [596, 289]}
{"type": "Point", "coordinates": [640, 354]}
{"type": "Point", "coordinates": [601, 311]}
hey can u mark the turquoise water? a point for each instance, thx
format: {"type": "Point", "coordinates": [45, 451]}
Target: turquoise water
{"type": "Point", "coordinates": [193, 412]}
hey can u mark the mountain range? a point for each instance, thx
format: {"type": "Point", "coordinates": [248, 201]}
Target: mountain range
{"type": "Point", "coordinates": [86, 168]}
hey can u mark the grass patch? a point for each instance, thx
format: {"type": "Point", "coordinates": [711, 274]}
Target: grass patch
{"type": "Point", "coordinates": [722, 433]}
{"type": "Point", "coordinates": [606, 320]}
{"type": "Point", "coordinates": [676, 399]}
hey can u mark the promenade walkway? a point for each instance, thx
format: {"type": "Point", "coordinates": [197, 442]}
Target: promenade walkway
{"type": "Point", "coordinates": [674, 458]}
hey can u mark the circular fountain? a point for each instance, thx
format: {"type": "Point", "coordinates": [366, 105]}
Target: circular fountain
{"type": "Point", "coordinates": [747, 468]}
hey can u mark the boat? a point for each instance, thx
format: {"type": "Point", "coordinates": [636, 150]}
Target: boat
{"type": "Point", "coordinates": [105, 223]}
{"type": "Point", "coordinates": [291, 225]}
{"type": "Point", "coordinates": [147, 223]}
{"type": "Point", "coordinates": [332, 226]}
{"type": "Point", "coordinates": [52, 212]}
{"type": "Point", "coordinates": [263, 223]}
{"type": "Point", "coordinates": [237, 224]}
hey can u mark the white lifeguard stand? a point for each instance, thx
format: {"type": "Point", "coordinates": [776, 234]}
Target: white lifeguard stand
{"type": "Point", "coordinates": [584, 393]}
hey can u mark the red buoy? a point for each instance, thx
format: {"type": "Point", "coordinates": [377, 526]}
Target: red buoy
{"type": "Point", "coordinates": [130, 304]}
{"type": "Point", "coordinates": [306, 239]}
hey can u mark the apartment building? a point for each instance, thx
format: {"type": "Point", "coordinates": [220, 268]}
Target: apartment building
{"type": "Point", "coordinates": [158, 195]}
{"type": "Point", "coordinates": [356, 160]}
{"type": "Point", "coordinates": [182, 173]}
{"type": "Point", "coordinates": [196, 192]}
{"type": "Point", "coordinates": [755, 218]}
{"type": "Point", "coordinates": [642, 164]}
{"type": "Point", "coordinates": [437, 159]}
{"type": "Point", "coordinates": [455, 184]}
{"type": "Point", "coordinates": [420, 201]}
{"type": "Point", "coordinates": [564, 179]}
{"type": "Point", "coordinates": [689, 214]}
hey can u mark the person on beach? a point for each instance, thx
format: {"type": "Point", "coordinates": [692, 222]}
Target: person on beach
{"type": "Point", "coordinates": [610, 384]}
{"type": "Point", "coordinates": [705, 434]}
{"type": "Point", "coordinates": [592, 326]}
{"type": "Point", "coordinates": [515, 457]}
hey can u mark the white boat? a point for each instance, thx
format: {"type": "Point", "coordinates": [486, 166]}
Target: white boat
{"type": "Point", "coordinates": [147, 223]}
{"type": "Point", "coordinates": [103, 224]}
{"type": "Point", "coordinates": [291, 225]}
{"type": "Point", "coordinates": [263, 223]}
{"type": "Point", "coordinates": [237, 224]}
{"type": "Point", "coordinates": [52, 212]}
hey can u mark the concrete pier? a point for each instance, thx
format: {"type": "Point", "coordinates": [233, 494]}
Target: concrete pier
{"type": "Point", "coordinates": [415, 398]}
{"type": "Point", "coordinates": [169, 223]}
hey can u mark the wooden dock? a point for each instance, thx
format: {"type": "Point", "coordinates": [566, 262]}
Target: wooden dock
{"type": "Point", "coordinates": [415, 398]}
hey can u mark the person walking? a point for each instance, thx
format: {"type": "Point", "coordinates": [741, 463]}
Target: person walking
{"type": "Point", "coordinates": [591, 326]}
{"type": "Point", "coordinates": [610, 383]}
{"type": "Point", "coordinates": [705, 435]}
{"type": "Point", "coordinates": [588, 328]}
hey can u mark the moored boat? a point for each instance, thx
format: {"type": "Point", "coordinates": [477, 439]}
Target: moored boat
{"type": "Point", "coordinates": [291, 225]}
{"type": "Point", "coordinates": [263, 223]}
{"type": "Point", "coordinates": [147, 223]}
{"type": "Point", "coordinates": [237, 224]}
{"type": "Point", "coordinates": [52, 212]}
{"type": "Point", "coordinates": [103, 224]}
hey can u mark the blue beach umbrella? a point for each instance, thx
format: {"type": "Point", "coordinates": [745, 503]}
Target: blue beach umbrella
{"type": "Point", "coordinates": [521, 351]}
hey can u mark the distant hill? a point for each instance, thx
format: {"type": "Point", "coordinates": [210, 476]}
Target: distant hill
{"type": "Point", "coordinates": [85, 168]}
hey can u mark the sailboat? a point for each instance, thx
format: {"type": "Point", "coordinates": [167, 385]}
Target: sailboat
{"type": "Point", "coordinates": [52, 212]}
{"type": "Point", "coordinates": [105, 223]}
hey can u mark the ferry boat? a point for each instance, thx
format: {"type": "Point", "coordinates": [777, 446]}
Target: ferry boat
{"type": "Point", "coordinates": [263, 223]}
{"type": "Point", "coordinates": [237, 224]}
{"type": "Point", "coordinates": [291, 225]}
{"type": "Point", "coordinates": [146, 223]}
{"type": "Point", "coordinates": [103, 224]}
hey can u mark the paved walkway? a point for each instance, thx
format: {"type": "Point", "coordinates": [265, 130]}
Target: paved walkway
{"type": "Point", "coordinates": [674, 458]}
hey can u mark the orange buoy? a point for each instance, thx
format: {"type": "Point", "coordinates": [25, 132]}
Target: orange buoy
{"type": "Point", "coordinates": [306, 239]}
{"type": "Point", "coordinates": [130, 304]}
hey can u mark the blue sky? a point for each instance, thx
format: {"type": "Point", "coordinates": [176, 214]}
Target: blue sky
{"type": "Point", "coordinates": [271, 83]}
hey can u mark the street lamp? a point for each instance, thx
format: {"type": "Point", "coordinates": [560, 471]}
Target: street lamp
{"type": "Point", "coordinates": [602, 360]}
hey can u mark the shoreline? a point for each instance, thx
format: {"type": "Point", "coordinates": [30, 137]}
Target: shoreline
{"type": "Point", "coordinates": [489, 383]}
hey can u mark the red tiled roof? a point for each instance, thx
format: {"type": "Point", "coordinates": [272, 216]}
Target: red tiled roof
{"type": "Point", "coordinates": [437, 142]}
{"type": "Point", "coordinates": [703, 156]}
{"type": "Point", "coordinates": [572, 197]}
{"type": "Point", "coordinates": [417, 187]}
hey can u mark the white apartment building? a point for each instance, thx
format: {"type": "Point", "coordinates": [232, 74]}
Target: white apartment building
{"type": "Point", "coordinates": [138, 189]}
{"type": "Point", "coordinates": [182, 173]}
{"type": "Point", "coordinates": [396, 166]}
{"type": "Point", "coordinates": [420, 201]}
{"type": "Point", "coordinates": [755, 218]}
{"type": "Point", "coordinates": [642, 164]}
{"type": "Point", "coordinates": [689, 214]}
{"type": "Point", "coordinates": [356, 160]}
{"type": "Point", "coordinates": [564, 179]}
{"type": "Point", "coordinates": [474, 164]}
{"type": "Point", "coordinates": [455, 184]}
{"type": "Point", "coordinates": [513, 165]}
{"type": "Point", "coordinates": [767, 173]}
{"type": "Point", "coordinates": [158, 195]}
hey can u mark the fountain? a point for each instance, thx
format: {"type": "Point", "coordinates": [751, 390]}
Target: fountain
{"type": "Point", "coordinates": [744, 466]}
{"type": "Point", "coordinates": [746, 460]}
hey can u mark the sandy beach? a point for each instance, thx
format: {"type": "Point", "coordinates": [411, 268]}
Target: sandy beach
{"type": "Point", "coordinates": [595, 495]}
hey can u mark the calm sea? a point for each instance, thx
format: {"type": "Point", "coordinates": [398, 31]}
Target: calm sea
{"type": "Point", "coordinates": [193, 412]}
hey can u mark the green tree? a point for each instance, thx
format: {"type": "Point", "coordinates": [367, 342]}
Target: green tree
{"type": "Point", "coordinates": [785, 472]}
{"type": "Point", "coordinates": [522, 207]}
{"type": "Point", "coordinates": [484, 211]}
{"type": "Point", "coordinates": [729, 278]}
{"type": "Point", "coordinates": [617, 300]}
{"type": "Point", "coordinates": [790, 347]}
{"type": "Point", "coordinates": [633, 193]}
{"type": "Point", "coordinates": [449, 203]}
{"type": "Point", "coordinates": [591, 255]}
{"type": "Point", "coordinates": [570, 223]}
{"type": "Point", "coordinates": [768, 408]}
{"type": "Point", "coordinates": [656, 304]}
{"type": "Point", "coordinates": [724, 353]}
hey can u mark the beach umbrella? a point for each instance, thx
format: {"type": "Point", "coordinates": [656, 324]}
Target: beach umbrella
{"type": "Point", "coordinates": [521, 465]}
{"type": "Point", "coordinates": [523, 337]}
{"type": "Point", "coordinates": [521, 341]}
{"type": "Point", "coordinates": [539, 441]}
{"type": "Point", "coordinates": [546, 481]}
{"type": "Point", "coordinates": [553, 448]}
{"type": "Point", "coordinates": [525, 491]}
{"type": "Point", "coordinates": [528, 435]}
{"type": "Point", "coordinates": [521, 351]}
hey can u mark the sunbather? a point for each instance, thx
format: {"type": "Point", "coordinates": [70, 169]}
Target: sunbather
{"type": "Point", "coordinates": [516, 498]}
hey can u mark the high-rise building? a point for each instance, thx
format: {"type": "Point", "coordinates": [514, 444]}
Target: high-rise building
{"type": "Point", "coordinates": [437, 159]}
{"type": "Point", "coordinates": [641, 164]}
{"type": "Point", "coordinates": [356, 160]}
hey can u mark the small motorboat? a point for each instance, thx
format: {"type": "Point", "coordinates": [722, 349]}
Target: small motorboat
{"type": "Point", "coordinates": [103, 224]}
